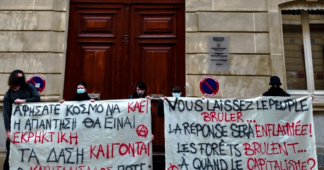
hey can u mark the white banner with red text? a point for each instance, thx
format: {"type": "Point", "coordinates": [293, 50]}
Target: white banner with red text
{"type": "Point", "coordinates": [103, 135]}
{"type": "Point", "coordinates": [262, 133]}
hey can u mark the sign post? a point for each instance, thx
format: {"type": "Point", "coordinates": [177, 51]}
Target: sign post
{"type": "Point", "coordinates": [209, 86]}
{"type": "Point", "coordinates": [38, 81]}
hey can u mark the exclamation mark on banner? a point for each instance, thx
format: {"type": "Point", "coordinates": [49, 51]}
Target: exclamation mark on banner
{"type": "Point", "coordinates": [310, 130]}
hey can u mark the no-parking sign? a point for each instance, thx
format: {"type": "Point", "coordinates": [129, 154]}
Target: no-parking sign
{"type": "Point", "coordinates": [209, 86]}
{"type": "Point", "coordinates": [38, 81]}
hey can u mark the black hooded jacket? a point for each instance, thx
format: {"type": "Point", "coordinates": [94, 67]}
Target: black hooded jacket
{"type": "Point", "coordinates": [275, 91]}
{"type": "Point", "coordinates": [79, 97]}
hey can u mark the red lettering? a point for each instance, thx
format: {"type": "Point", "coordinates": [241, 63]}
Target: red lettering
{"type": "Point", "coordinates": [130, 107]}
{"type": "Point", "coordinates": [238, 116]}
{"type": "Point", "coordinates": [107, 151]}
{"type": "Point", "coordinates": [257, 131]}
{"type": "Point", "coordinates": [274, 148]}
{"type": "Point", "coordinates": [304, 165]}
{"type": "Point", "coordinates": [288, 129]}
{"type": "Point", "coordinates": [131, 148]}
{"type": "Point", "coordinates": [226, 118]}
{"type": "Point", "coordinates": [220, 117]}
{"type": "Point", "coordinates": [62, 136]}
{"type": "Point", "coordinates": [44, 137]}
{"type": "Point", "coordinates": [293, 145]}
{"type": "Point", "coordinates": [257, 148]}
{"type": "Point", "coordinates": [248, 163]}
{"type": "Point", "coordinates": [74, 137]}
{"type": "Point", "coordinates": [137, 146]}
{"type": "Point", "coordinates": [112, 149]}
{"type": "Point", "coordinates": [206, 116]}
{"type": "Point", "coordinates": [148, 150]}
{"type": "Point", "coordinates": [14, 141]}
{"type": "Point", "coordinates": [51, 135]}
{"type": "Point", "coordinates": [247, 148]}
{"type": "Point", "coordinates": [304, 129]}
{"type": "Point", "coordinates": [213, 116]}
{"type": "Point", "coordinates": [91, 151]}
{"type": "Point", "coordinates": [297, 130]}
{"type": "Point", "coordinates": [30, 135]}
{"type": "Point", "coordinates": [23, 134]}
{"type": "Point", "coordinates": [232, 117]}
{"type": "Point", "coordinates": [143, 147]}
{"type": "Point", "coordinates": [137, 105]}
{"type": "Point", "coordinates": [100, 150]}
{"type": "Point", "coordinates": [120, 149]}
{"type": "Point", "coordinates": [266, 148]}
{"type": "Point", "coordinates": [141, 106]}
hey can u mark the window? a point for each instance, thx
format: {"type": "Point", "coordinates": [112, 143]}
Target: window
{"type": "Point", "coordinates": [303, 40]}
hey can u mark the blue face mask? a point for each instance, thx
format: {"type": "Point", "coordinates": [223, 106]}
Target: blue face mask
{"type": "Point", "coordinates": [176, 94]}
{"type": "Point", "coordinates": [80, 91]}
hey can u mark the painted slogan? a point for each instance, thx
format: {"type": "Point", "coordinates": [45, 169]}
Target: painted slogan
{"type": "Point", "coordinates": [265, 133]}
{"type": "Point", "coordinates": [104, 135]}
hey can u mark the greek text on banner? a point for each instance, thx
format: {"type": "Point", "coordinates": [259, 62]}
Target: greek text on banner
{"type": "Point", "coordinates": [104, 135]}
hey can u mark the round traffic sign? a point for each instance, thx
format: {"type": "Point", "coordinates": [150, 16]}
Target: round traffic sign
{"type": "Point", "coordinates": [209, 86]}
{"type": "Point", "coordinates": [38, 81]}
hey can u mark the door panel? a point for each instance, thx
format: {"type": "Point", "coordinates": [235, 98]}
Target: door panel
{"type": "Point", "coordinates": [158, 44]}
{"type": "Point", "coordinates": [95, 69]}
{"type": "Point", "coordinates": [157, 60]}
{"type": "Point", "coordinates": [94, 46]}
{"type": "Point", "coordinates": [97, 24]}
{"type": "Point", "coordinates": [157, 25]}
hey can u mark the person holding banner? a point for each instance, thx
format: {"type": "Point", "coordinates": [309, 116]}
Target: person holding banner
{"type": "Point", "coordinates": [139, 91]}
{"type": "Point", "coordinates": [176, 92]}
{"type": "Point", "coordinates": [275, 90]}
{"type": "Point", "coordinates": [19, 92]}
{"type": "Point", "coordinates": [81, 93]}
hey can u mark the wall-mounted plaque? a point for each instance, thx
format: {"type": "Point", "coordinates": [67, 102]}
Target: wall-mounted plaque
{"type": "Point", "coordinates": [218, 62]}
{"type": "Point", "coordinates": [218, 44]}
{"type": "Point", "coordinates": [218, 54]}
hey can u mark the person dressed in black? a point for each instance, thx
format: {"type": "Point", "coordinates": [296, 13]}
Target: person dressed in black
{"type": "Point", "coordinates": [19, 92]}
{"type": "Point", "coordinates": [275, 89]}
{"type": "Point", "coordinates": [176, 92]}
{"type": "Point", "coordinates": [81, 93]}
{"type": "Point", "coordinates": [139, 91]}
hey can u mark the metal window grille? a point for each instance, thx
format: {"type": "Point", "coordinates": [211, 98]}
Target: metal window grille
{"type": "Point", "coordinates": [320, 160]}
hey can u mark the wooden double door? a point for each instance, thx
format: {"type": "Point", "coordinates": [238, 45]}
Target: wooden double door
{"type": "Point", "coordinates": [112, 44]}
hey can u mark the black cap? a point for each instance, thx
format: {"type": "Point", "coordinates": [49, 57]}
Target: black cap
{"type": "Point", "coordinates": [274, 80]}
{"type": "Point", "coordinates": [176, 89]}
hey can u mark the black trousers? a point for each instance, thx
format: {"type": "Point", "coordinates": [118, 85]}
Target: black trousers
{"type": "Point", "coordinates": [6, 162]}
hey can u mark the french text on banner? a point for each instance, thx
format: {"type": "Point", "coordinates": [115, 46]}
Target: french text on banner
{"type": "Point", "coordinates": [262, 133]}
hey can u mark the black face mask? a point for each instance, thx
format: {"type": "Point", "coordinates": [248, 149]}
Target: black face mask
{"type": "Point", "coordinates": [18, 81]}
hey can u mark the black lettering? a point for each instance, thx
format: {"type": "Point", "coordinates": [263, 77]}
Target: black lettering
{"type": "Point", "coordinates": [198, 107]}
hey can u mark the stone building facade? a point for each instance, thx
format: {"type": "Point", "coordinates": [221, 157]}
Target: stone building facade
{"type": "Point", "coordinates": [33, 38]}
